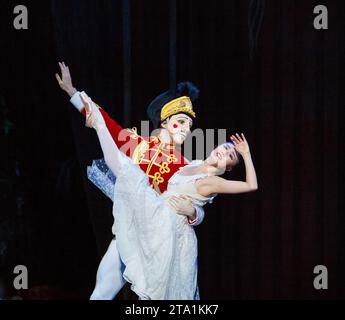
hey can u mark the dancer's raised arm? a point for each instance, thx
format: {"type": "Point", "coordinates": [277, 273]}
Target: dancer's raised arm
{"type": "Point", "coordinates": [217, 184]}
{"type": "Point", "coordinates": [120, 135]}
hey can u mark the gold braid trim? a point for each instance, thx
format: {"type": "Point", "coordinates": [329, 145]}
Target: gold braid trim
{"type": "Point", "coordinates": [139, 151]}
{"type": "Point", "coordinates": [134, 133]}
{"type": "Point", "coordinates": [179, 105]}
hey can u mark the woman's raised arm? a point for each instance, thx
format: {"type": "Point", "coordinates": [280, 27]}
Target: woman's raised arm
{"type": "Point", "coordinates": [217, 184]}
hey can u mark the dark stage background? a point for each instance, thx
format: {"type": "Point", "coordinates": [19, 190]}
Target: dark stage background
{"type": "Point", "coordinates": [281, 84]}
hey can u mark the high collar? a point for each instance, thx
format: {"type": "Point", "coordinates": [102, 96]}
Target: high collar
{"type": "Point", "coordinates": [168, 146]}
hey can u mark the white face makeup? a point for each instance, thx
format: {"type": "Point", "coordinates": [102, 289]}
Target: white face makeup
{"type": "Point", "coordinates": [178, 126]}
{"type": "Point", "coordinates": [224, 156]}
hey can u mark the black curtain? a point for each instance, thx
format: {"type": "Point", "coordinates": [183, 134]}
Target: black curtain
{"type": "Point", "coordinates": [281, 83]}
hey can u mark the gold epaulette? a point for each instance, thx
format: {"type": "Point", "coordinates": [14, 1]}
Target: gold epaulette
{"type": "Point", "coordinates": [134, 133]}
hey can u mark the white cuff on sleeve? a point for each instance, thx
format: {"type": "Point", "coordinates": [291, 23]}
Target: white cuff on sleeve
{"type": "Point", "coordinates": [200, 213]}
{"type": "Point", "coordinates": [76, 101]}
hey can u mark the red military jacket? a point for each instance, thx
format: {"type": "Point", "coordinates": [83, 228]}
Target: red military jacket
{"type": "Point", "coordinates": [158, 160]}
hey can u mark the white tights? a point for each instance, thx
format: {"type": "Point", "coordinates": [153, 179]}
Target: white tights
{"type": "Point", "coordinates": [109, 275]}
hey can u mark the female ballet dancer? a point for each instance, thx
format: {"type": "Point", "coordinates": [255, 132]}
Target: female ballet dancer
{"type": "Point", "coordinates": [160, 258]}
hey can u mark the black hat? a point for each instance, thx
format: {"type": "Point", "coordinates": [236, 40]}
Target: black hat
{"type": "Point", "coordinates": [167, 100]}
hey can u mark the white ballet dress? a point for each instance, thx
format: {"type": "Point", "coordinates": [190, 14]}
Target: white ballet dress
{"type": "Point", "coordinates": [157, 246]}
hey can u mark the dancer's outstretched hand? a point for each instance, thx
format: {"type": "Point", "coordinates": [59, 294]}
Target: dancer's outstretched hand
{"type": "Point", "coordinates": [65, 81]}
{"type": "Point", "coordinates": [90, 118]}
{"type": "Point", "coordinates": [94, 118]}
{"type": "Point", "coordinates": [241, 144]}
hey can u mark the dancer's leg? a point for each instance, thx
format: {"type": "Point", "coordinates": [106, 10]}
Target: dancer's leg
{"type": "Point", "coordinates": [109, 275]}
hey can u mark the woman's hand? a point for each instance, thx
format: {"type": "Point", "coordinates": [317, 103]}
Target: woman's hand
{"type": "Point", "coordinates": [94, 118]}
{"type": "Point", "coordinates": [182, 205]}
{"type": "Point", "coordinates": [90, 119]}
{"type": "Point", "coordinates": [241, 144]}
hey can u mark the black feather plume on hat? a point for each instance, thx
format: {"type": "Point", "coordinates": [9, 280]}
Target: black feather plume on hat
{"type": "Point", "coordinates": [182, 89]}
{"type": "Point", "coordinates": [188, 89]}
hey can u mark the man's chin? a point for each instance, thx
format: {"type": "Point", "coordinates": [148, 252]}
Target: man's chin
{"type": "Point", "coordinates": [179, 141]}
